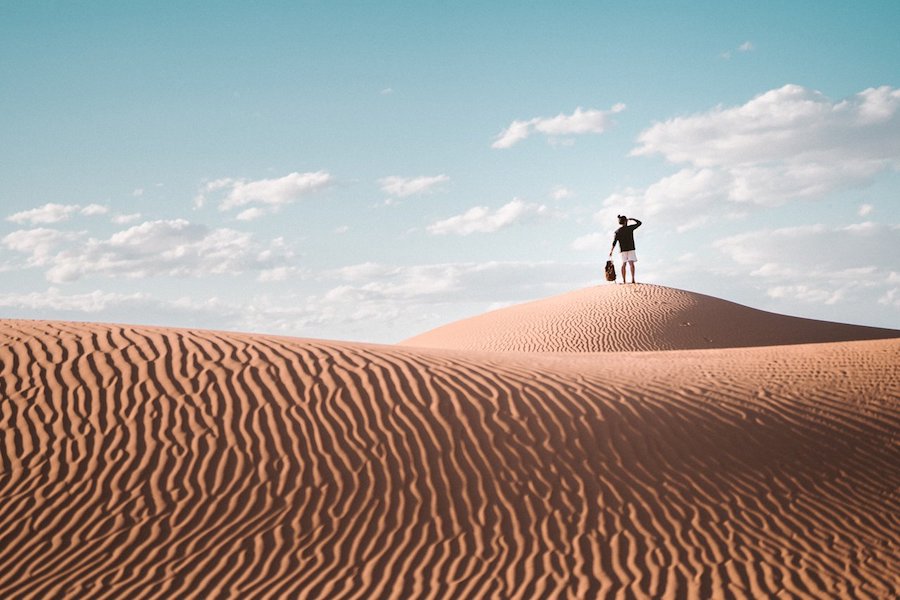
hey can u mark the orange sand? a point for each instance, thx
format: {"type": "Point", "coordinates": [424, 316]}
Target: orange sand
{"type": "Point", "coordinates": [150, 462]}
{"type": "Point", "coordinates": [635, 318]}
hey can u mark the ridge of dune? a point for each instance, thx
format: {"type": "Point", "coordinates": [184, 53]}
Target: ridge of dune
{"type": "Point", "coordinates": [142, 462]}
{"type": "Point", "coordinates": [637, 317]}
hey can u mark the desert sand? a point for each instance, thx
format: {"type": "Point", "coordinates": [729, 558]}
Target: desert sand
{"type": "Point", "coordinates": [635, 318]}
{"type": "Point", "coordinates": [532, 452]}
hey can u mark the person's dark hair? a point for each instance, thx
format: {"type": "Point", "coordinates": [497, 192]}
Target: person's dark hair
{"type": "Point", "coordinates": [623, 220]}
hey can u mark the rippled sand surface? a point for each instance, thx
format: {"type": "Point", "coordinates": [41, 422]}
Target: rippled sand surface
{"type": "Point", "coordinates": [143, 462]}
{"type": "Point", "coordinates": [638, 317]}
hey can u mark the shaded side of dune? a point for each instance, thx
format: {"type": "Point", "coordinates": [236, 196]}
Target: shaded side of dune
{"type": "Point", "coordinates": [143, 462]}
{"type": "Point", "coordinates": [641, 317]}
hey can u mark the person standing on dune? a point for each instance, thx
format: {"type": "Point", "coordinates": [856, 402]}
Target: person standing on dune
{"type": "Point", "coordinates": [625, 238]}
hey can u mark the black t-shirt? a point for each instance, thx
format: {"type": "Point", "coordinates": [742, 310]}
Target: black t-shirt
{"type": "Point", "coordinates": [625, 236]}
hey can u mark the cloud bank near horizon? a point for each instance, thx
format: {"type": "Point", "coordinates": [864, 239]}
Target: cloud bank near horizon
{"type": "Point", "coordinates": [173, 248]}
{"type": "Point", "coordinates": [782, 146]}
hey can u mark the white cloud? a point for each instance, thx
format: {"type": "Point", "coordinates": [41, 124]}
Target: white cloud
{"type": "Point", "coordinates": [369, 301]}
{"type": "Point", "coordinates": [380, 302]}
{"type": "Point", "coordinates": [865, 209]}
{"type": "Point", "coordinates": [418, 281]}
{"type": "Point", "coordinates": [39, 244]}
{"type": "Point", "coordinates": [592, 241]}
{"type": "Point", "coordinates": [816, 263]}
{"type": "Point", "coordinates": [54, 300]}
{"type": "Point", "coordinates": [745, 47]}
{"type": "Point", "coordinates": [793, 244]}
{"type": "Point", "coordinates": [786, 144]}
{"type": "Point", "coordinates": [98, 305]}
{"type": "Point", "coordinates": [54, 213]}
{"type": "Point", "coordinates": [890, 298]}
{"type": "Point", "coordinates": [561, 192]}
{"type": "Point", "coordinates": [48, 213]}
{"type": "Point", "coordinates": [390, 302]}
{"type": "Point", "coordinates": [167, 247]}
{"type": "Point", "coordinates": [401, 187]}
{"type": "Point", "coordinates": [270, 193]}
{"type": "Point", "coordinates": [680, 195]}
{"type": "Point", "coordinates": [278, 274]}
{"type": "Point", "coordinates": [806, 293]}
{"type": "Point", "coordinates": [512, 135]}
{"type": "Point", "coordinates": [361, 271]}
{"type": "Point", "coordinates": [579, 122]}
{"type": "Point", "coordinates": [450, 282]}
{"type": "Point", "coordinates": [125, 219]}
{"type": "Point", "coordinates": [250, 214]}
{"type": "Point", "coordinates": [94, 209]}
{"type": "Point", "coordinates": [480, 219]}
{"type": "Point", "coordinates": [794, 126]}
{"type": "Point", "coordinates": [208, 188]}
{"type": "Point", "coordinates": [275, 191]}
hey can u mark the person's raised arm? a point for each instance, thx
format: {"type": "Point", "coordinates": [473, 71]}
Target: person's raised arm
{"type": "Point", "coordinates": [637, 223]}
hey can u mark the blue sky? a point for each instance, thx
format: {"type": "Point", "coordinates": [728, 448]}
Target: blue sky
{"type": "Point", "coordinates": [367, 171]}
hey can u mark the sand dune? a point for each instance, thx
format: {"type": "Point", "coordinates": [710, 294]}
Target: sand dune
{"type": "Point", "coordinates": [160, 463]}
{"type": "Point", "coordinates": [635, 317]}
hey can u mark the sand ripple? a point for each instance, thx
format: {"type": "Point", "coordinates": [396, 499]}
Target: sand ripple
{"type": "Point", "coordinates": [156, 463]}
{"type": "Point", "coordinates": [634, 318]}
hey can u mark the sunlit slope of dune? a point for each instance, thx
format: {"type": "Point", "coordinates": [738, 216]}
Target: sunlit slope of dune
{"type": "Point", "coordinates": [634, 317]}
{"type": "Point", "coordinates": [142, 462]}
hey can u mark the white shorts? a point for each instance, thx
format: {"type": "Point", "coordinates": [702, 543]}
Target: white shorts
{"type": "Point", "coordinates": [628, 256]}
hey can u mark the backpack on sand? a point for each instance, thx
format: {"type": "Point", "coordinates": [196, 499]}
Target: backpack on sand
{"type": "Point", "coordinates": [610, 271]}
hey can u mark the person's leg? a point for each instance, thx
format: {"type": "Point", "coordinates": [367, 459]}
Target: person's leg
{"type": "Point", "coordinates": [623, 272]}
{"type": "Point", "coordinates": [632, 272]}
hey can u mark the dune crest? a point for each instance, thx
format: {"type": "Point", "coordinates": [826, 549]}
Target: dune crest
{"type": "Point", "coordinates": [639, 317]}
{"type": "Point", "coordinates": [143, 462]}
